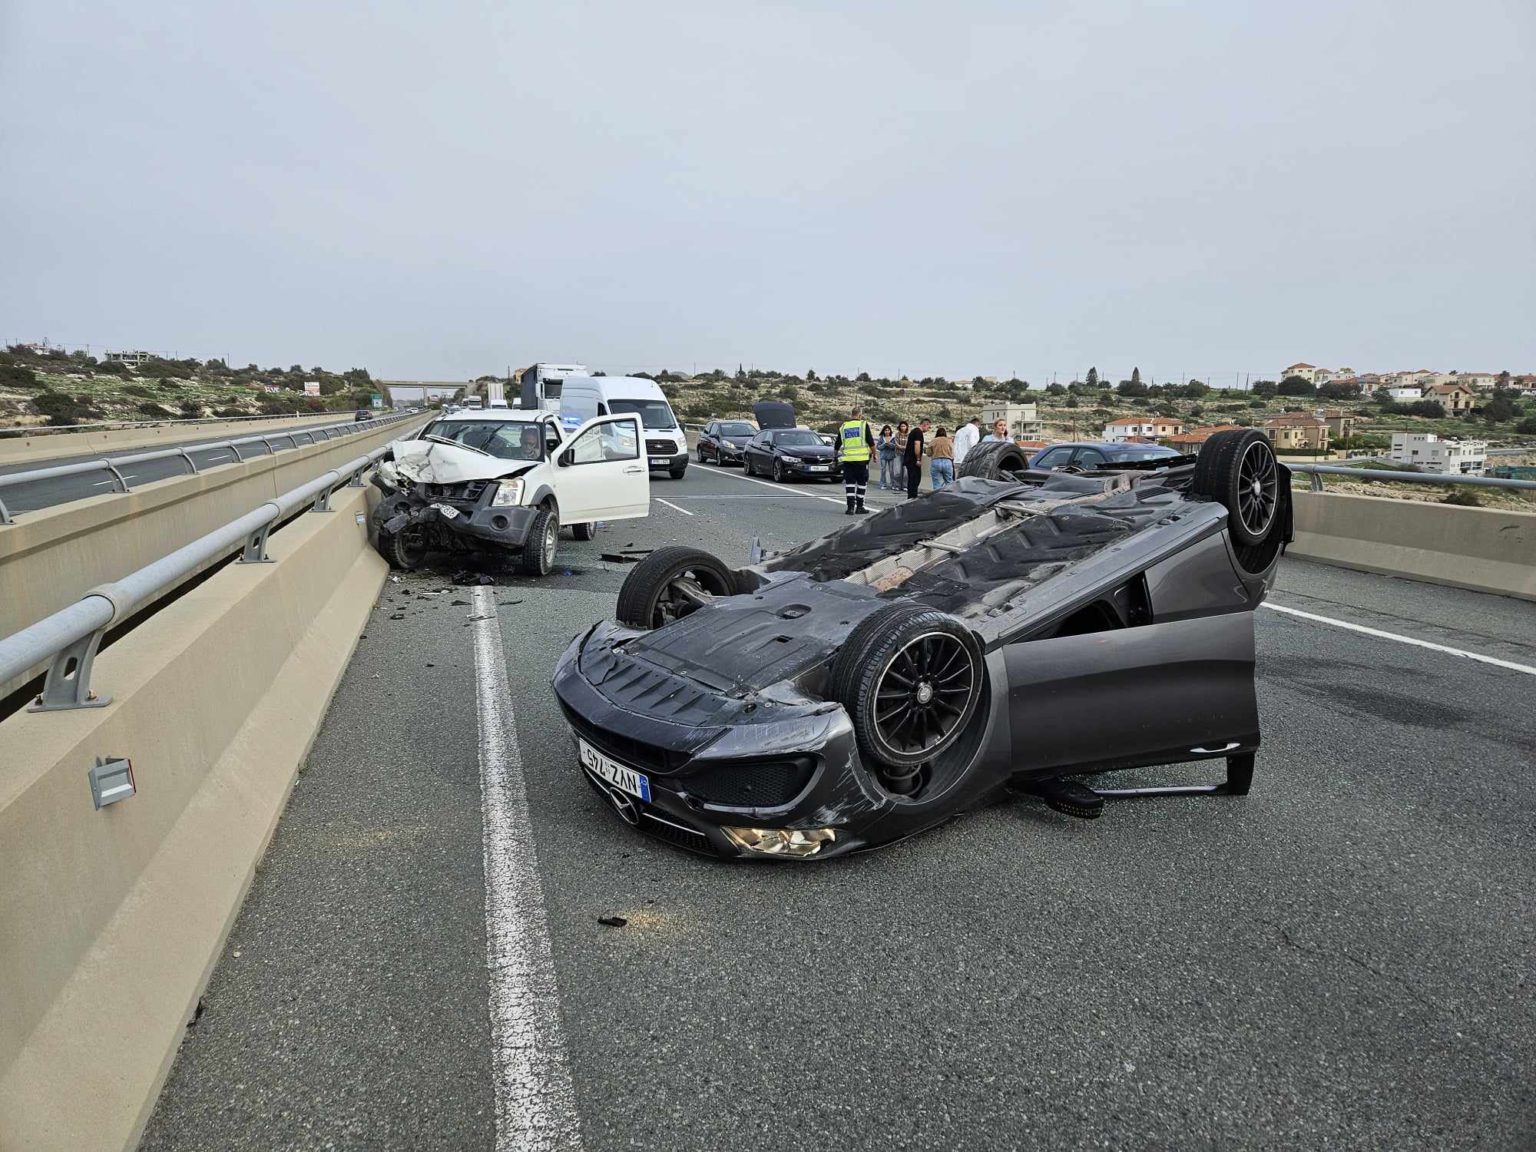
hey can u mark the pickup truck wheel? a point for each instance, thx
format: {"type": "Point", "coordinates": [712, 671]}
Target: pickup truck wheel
{"type": "Point", "coordinates": [539, 548]}
{"type": "Point", "coordinates": [583, 531]}
{"type": "Point", "coordinates": [407, 549]}
{"type": "Point", "coordinates": [1238, 468]}
{"type": "Point", "coordinates": [669, 584]}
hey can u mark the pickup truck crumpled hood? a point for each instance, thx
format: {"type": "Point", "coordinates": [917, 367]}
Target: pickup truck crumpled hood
{"type": "Point", "coordinates": [429, 462]}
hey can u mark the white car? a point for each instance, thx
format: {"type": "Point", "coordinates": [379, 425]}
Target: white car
{"type": "Point", "coordinates": [504, 481]}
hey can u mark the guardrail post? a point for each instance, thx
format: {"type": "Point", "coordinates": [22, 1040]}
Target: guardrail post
{"type": "Point", "coordinates": [118, 478]}
{"type": "Point", "coordinates": [1317, 482]}
{"type": "Point", "coordinates": [67, 683]}
{"type": "Point", "coordinates": [322, 502]}
{"type": "Point", "coordinates": [5, 514]}
{"type": "Point", "coordinates": [255, 551]}
{"type": "Point", "coordinates": [187, 456]}
{"type": "Point", "coordinates": [234, 450]}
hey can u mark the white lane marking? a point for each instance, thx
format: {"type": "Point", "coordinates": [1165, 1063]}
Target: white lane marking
{"type": "Point", "coordinates": [764, 483]}
{"type": "Point", "coordinates": [674, 507]}
{"type": "Point", "coordinates": [1379, 634]}
{"type": "Point", "coordinates": [104, 484]}
{"type": "Point", "coordinates": [535, 1101]}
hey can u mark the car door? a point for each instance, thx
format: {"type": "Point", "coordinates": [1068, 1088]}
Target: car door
{"type": "Point", "coordinates": [601, 472]}
{"type": "Point", "coordinates": [709, 439]}
{"type": "Point", "coordinates": [1124, 696]}
{"type": "Point", "coordinates": [1052, 458]}
{"type": "Point", "coordinates": [757, 451]}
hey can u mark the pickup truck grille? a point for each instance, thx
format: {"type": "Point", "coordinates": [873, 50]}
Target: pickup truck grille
{"type": "Point", "coordinates": [466, 493]}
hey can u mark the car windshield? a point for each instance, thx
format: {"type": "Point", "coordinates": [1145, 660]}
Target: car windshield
{"type": "Point", "coordinates": [737, 428]}
{"type": "Point", "coordinates": [504, 439]}
{"type": "Point", "coordinates": [1121, 455]}
{"type": "Point", "coordinates": [798, 438]}
{"type": "Point", "coordinates": [652, 413]}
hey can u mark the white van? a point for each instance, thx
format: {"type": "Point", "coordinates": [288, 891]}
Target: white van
{"type": "Point", "coordinates": [584, 397]}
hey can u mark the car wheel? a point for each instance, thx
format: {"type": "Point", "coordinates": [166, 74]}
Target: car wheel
{"type": "Point", "coordinates": [669, 584]}
{"type": "Point", "coordinates": [678, 472]}
{"type": "Point", "coordinates": [1239, 469]}
{"type": "Point", "coordinates": [993, 460]}
{"type": "Point", "coordinates": [406, 550]}
{"type": "Point", "coordinates": [778, 471]}
{"type": "Point", "coordinates": [701, 453]}
{"type": "Point", "coordinates": [583, 531]}
{"type": "Point", "coordinates": [539, 548]}
{"type": "Point", "coordinates": [910, 679]}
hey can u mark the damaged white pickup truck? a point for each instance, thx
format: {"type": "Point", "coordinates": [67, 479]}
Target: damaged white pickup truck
{"type": "Point", "coordinates": [502, 481]}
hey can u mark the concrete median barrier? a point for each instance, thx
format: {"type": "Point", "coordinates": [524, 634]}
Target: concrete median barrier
{"type": "Point", "coordinates": [111, 920]}
{"type": "Point", "coordinates": [50, 557]}
{"type": "Point", "coordinates": [1485, 549]}
{"type": "Point", "coordinates": [36, 450]}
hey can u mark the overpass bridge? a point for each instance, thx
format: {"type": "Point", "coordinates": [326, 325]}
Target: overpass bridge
{"type": "Point", "coordinates": [287, 936]}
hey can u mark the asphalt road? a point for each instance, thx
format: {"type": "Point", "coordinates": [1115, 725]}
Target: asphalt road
{"type": "Point", "coordinates": [1343, 959]}
{"type": "Point", "coordinates": [64, 489]}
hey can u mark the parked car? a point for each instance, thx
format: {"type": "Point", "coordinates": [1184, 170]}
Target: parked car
{"type": "Point", "coordinates": [503, 481]}
{"type": "Point", "coordinates": [725, 441]}
{"type": "Point", "coordinates": [1011, 631]}
{"type": "Point", "coordinates": [1091, 454]}
{"type": "Point", "coordinates": [791, 454]}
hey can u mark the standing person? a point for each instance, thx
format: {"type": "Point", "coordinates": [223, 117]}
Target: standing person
{"type": "Point", "coordinates": [999, 431]}
{"type": "Point", "coordinates": [966, 437]}
{"type": "Point", "coordinates": [942, 453]}
{"type": "Point", "coordinates": [901, 455]}
{"type": "Point", "coordinates": [913, 459]}
{"type": "Point", "coordinates": [855, 442]}
{"type": "Point", "coordinates": [885, 445]}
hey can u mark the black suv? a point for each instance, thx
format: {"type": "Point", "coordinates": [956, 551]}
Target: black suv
{"type": "Point", "coordinates": [724, 441]}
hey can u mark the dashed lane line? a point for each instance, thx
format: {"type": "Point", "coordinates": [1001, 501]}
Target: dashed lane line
{"type": "Point", "coordinates": [1379, 634]}
{"type": "Point", "coordinates": [674, 507]}
{"type": "Point", "coordinates": [535, 1100]}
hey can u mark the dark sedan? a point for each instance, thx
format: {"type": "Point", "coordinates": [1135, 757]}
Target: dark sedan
{"type": "Point", "coordinates": [791, 454]}
{"type": "Point", "coordinates": [724, 441]}
{"type": "Point", "coordinates": [1086, 456]}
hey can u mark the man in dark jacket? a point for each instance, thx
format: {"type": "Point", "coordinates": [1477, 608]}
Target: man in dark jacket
{"type": "Point", "coordinates": [913, 458]}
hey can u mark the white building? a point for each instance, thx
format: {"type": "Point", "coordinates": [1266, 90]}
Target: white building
{"type": "Point", "coordinates": [1430, 453]}
{"type": "Point", "coordinates": [1406, 393]}
{"type": "Point", "coordinates": [128, 356]}
{"type": "Point", "coordinates": [1482, 381]}
{"type": "Point", "coordinates": [1142, 428]}
{"type": "Point", "coordinates": [1023, 419]}
{"type": "Point", "coordinates": [1307, 372]}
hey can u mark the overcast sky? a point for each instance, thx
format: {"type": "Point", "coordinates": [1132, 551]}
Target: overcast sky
{"type": "Point", "coordinates": [438, 190]}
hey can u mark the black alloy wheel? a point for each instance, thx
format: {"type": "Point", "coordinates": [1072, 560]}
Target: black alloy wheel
{"type": "Point", "coordinates": [672, 583]}
{"type": "Point", "coordinates": [1238, 468]}
{"type": "Point", "coordinates": [922, 695]}
{"type": "Point", "coordinates": [778, 470]}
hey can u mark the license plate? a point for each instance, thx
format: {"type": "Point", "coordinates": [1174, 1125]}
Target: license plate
{"type": "Point", "coordinates": [660, 461]}
{"type": "Point", "coordinates": [627, 779]}
{"type": "Point", "coordinates": [447, 512]}
{"type": "Point", "coordinates": [821, 467]}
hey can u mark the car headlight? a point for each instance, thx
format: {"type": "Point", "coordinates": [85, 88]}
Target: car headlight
{"type": "Point", "coordinates": [508, 493]}
{"type": "Point", "coordinates": [781, 841]}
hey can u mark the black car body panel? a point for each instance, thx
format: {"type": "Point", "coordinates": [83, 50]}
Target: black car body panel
{"type": "Point", "coordinates": [1112, 614]}
{"type": "Point", "coordinates": [791, 454]}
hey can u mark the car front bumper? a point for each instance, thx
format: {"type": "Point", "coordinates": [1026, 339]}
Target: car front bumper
{"type": "Point", "coordinates": [506, 527]}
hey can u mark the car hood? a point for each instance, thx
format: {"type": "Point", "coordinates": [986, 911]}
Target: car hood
{"type": "Point", "coordinates": [808, 452]}
{"type": "Point", "coordinates": [429, 462]}
{"type": "Point", "coordinates": [774, 414]}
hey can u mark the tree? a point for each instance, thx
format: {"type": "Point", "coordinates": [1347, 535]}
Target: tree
{"type": "Point", "coordinates": [1135, 375]}
{"type": "Point", "coordinates": [1527, 427]}
{"type": "Point", "coordinates": [112, 368]}
{"type": "Point", "coordinates": [1071, 401]}
{"type": "Point", "coordinates": [1499, 409]}
{"type": "Point", "coordinates": [15, 376]}
{"type": "Point", "coordinates": [1054, 389]}
{"type": "Point", "coordinates": [1133, 387]}
{"type": "Point", "coordinates": [1339, 390]}
{"type": "Point", "coordinates": [810, 375]}
{"type": "Point", "coordinates": [862, 378]}
{"type": "Point", "coordinates": [1092, 379]}
{"type": "Point", "coordinates": [1296, 386]}
{"type": "Point", "coordinates": [1264, 387]}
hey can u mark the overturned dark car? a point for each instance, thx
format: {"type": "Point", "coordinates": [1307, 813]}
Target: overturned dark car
{"type": "Point", "coordinates": [1007, 633]}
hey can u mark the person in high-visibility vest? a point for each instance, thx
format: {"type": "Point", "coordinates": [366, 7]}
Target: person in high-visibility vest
{"type": "Point", "coordinates": [855, 440]}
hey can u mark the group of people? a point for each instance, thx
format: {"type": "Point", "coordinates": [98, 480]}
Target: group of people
{"type": "Point", "coordinates": [900, 453]}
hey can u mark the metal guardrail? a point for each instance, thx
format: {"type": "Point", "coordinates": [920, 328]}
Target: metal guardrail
{"type": "Point", "coordinates": [1393, 476]}
{"type": "Point", "coordinates": [18, 431]}
{"type": "Point", "coordinates": [111, 464]}
{"type": "Point", "coordinates": [70, 637]}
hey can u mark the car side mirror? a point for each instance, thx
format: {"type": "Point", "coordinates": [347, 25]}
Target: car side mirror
{"type": "Point", "coordinates": [567, 458]}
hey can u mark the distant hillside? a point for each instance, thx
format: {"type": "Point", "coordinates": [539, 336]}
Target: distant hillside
{"type": "Point", "coordinates": [51, 386]}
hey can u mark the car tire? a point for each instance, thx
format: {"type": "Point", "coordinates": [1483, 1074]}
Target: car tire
{"type": "Point", "coordinates": [405, 550]}
{"type": "Point", "coordinates": [942, 660]}
{"type": "Point", "coordinates": [538, 555]}
{"type": "Point", "coordinates": [1239, 469]}
{"type": "Point", "coordinates": [678, 472]}
{"type": "Point", "coordinates": [583, 531]}
{"type": "Point", "coordinates": [778, 471]}
{"type": "Point", "coordinates": [993, 460]}
{"type": "Point", "coordinates": [701, 453]}
{"type": "Point", "coordinates": [667, 585]}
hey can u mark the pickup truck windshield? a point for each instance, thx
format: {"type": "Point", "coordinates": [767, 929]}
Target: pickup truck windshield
{"type": "Point", "coordinates": [652, 413]}
{"type": "Point", "coordinates": [506, 439]}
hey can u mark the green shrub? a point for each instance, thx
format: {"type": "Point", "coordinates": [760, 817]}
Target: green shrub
{"type": "Point", "coordinates": [138, 390]}
{"type": "Point", "coordinates": [1462, 497]}
{"type": "Point", "coordinates": [15, 376]}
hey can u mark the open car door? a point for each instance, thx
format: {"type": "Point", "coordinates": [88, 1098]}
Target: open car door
{"type": "Point", "coordinates": [601, 473]}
